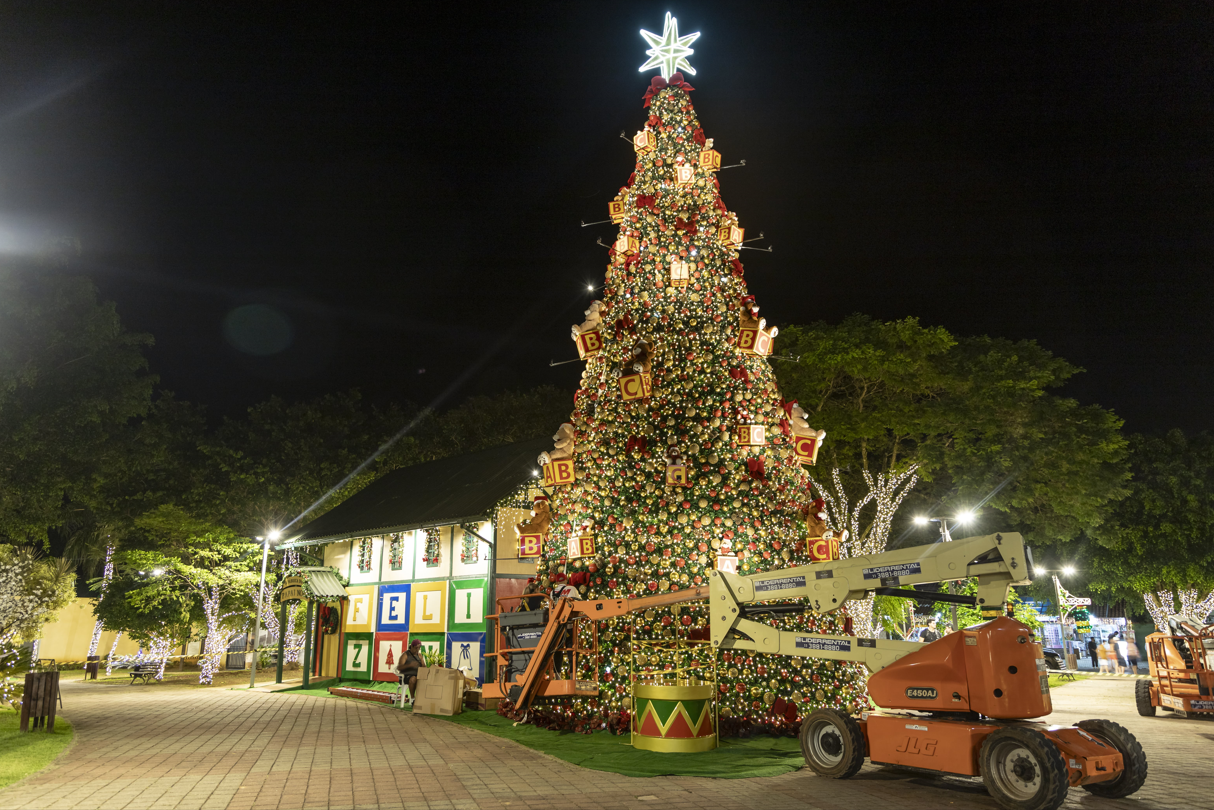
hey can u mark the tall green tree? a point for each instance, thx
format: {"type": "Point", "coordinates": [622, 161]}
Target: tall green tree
{"type": "Point", "coordinates": [1158, 543]}
{"type": "Point", "coordinates": [195, 566]}
{"type": "Point", "coordinates": [71, 377]}
{"type": "Point", "coordinates": [974, 418]}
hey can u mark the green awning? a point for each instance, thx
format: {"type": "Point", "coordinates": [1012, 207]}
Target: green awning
{"type": "Point", "coordinates": [324, 584]}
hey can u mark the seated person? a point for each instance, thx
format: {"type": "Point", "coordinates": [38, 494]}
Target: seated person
{"type": "Point", "coordinates": [408, 665]}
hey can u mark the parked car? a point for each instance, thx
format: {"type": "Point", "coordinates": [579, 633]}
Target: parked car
{"type": "Point", "coordinates": [1053, 659]}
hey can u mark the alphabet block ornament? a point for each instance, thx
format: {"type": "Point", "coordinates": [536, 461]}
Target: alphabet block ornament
{"type": "Point", "coordinates": [676, 472]}
{"type": "Point", "coordinates": [626, 246]}
{"type": "Point", "coordinates": [751, 435]}
{"type": "Point", "coordinates": [683, 175]}
{"type": "Point", "coordinates": [680, 273]}
{"type": "Point", "coordinates": [644, 141]}
{"type": "Point", "coordinates": [581, 546]}
{"type": "Point", "coordinates": [530, 546]}
{"type": "Point", "coordinates": [615, 210]}
{"type": "Point", "coordinates": [559, 472]}
{"type": "Point", "coordinates": [635, 386]}
{"type": "Point", "coordinates": [823, 549]}
{"type": "Point", "coordinates": [731, 235]}
{"type": "Point", "coordinates": [806, 449]}
{"type": "Point", "coordinates": [710, 159]}
{"type": "Point", "coordinates": [589, 343]}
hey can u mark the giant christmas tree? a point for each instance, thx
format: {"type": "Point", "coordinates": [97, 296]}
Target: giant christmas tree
{"type": "Point", "coordinates": [681, 444]}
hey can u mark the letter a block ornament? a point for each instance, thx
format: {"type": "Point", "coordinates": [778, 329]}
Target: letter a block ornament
{"type": "Point", "coordinates": [626, 246]}
{"type": "Point", "coordinates": [581, 546]}
{"type": "Point", "coordinates": [589, 343]}
{"type": "Point", "coordinates": [823, 549]}
{"type": "Point", "coordinates": [806, 449]}
{"type": "Point", "coordinates": [731, 235]}
{"type": "Point", "coordinates": [530, 546]}
{"type": "Point", "coordinates": [558, 473]}
{"type": "Point", "coordinates": [752, 435]}
{"type": "Point", "coordinates": [635, 386]}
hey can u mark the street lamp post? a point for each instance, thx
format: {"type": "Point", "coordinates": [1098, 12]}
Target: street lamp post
{"type": "Point", "coordinates": [261, 589]}
{"type": "Point", "coordinates": [963, 517]}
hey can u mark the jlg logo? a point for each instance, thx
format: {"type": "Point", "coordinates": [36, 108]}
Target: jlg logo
{"type": "Point", "coordinates": [910, 745]}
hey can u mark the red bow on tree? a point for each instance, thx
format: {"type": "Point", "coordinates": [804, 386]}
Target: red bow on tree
{"type": "Point", "coordinates": [683, 225]}
{"type": "Point", "coordinates": [784, 428]}
{"type": "Point", "coordinates": [647, 201]}
{"type": "Point", "coordinates": [654, 121]}
{"type": "Point", "coordinates": [755, 468]}
{"type": "Point", "coordinates": [740, 374]}
{"type": "Point", "coordinates": [631, 179]}
{"type": "Point", "coordinates": [657, 84]}
{"type": "Point", "coordinates": [631, 260]}
{"type": "Point", "coordinates": [721, 204]}
{"type": "Point", "coordinates": [737, 267]}
{"type": "Point", "coordinates": [698, 136]}
{"type": "Point", "coordinates": [636, 443]}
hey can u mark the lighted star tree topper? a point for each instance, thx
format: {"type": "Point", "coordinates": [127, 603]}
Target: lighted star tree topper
{"type": "Point", "coordinates": [669, 51]}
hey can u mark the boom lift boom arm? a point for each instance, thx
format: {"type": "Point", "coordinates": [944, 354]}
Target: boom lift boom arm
{"type": "Point", "coordinates": [998, 561]}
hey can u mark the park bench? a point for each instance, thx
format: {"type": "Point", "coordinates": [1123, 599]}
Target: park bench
{"type": "Point", "coordinates": [1064, 673]}
{"type": "Point", "coordinates": [146, 671]}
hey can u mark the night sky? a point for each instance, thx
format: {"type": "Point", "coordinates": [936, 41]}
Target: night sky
{"type": "Point", "coordinates": [295, 202]}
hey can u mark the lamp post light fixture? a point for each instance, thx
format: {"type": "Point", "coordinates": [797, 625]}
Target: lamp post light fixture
{"type": "Point", "coordinates": [1066, 571]}
{"type": "Point", "coordinates": [959, 519]}
{"type": "Point", "coordinates": [271, 536]}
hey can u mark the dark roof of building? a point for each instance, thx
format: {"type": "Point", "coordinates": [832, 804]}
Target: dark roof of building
{"type": "Point", "coordinates": [452, 490]}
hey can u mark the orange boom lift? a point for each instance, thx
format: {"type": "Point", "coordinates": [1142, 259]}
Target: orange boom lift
{"type": "Point", "coordinates": [962, 705]}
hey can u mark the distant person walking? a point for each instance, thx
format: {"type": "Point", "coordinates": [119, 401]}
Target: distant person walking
{"type": "Point", "coordinates": [930, 633]}
{"type": "Point", "coordinates": [1123, 654]}
{"type": "Point", "coordinates": [1132, 657]}
{"type": "Point", "coordinates": [1092, 651]}
{"type": "Point", "coordinates": [1114, 657]}
{"type": "Point", "coordinates": [1102, 655]}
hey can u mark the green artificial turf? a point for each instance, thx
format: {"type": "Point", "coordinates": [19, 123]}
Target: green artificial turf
{"type": "Point", "coordinates": [601, 751]}
{"type": "Point", "coordinates": [1057, 680]}
{"type": "Point", "coordinates": [22, 754]}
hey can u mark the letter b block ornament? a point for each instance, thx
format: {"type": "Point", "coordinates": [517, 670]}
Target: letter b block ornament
{"type": "Point", "coordinates": [683, 175]}
{"type": "Point", "coordinates": [752, 435]}
{"type": "Point", "coordinates": [635, 386]}
{"type": "Point", "coordinates": [806, 449]}
{"type": "Point", "coordinates": [530, 545]}
{"type": "Point", "coordinates": [626, 246]}
{"type": "Point", "coordinates": [589, 343]}
{"type": "Point", "coordinates": [558, 473]}
{"type": "Point", "coordinates": [581, 546]}
{"type": "Point", "coordinates": [731, 235]}
{"type": "Point", "coordinates": [615, 211]}
{"type": "Point", "coordinates": [753, 340]}
{"type": "Point", "coordinates": [710, 159]}
{"type": "Point", "coordinates": [823, 549]}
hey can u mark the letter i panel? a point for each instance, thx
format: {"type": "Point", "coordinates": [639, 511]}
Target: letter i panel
{"type": "Point", "coordinates": [931, 744]}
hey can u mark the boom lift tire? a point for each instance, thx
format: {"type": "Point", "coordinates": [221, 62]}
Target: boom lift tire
{"type": "Point", "coordinates": [1142, 697]}
{"type": "Point", "coordinates": [833, 744]}
{"type": "Point", "coordinates": [1023, 769]}
{"type": "Point", "coordinates": [1134, 761]}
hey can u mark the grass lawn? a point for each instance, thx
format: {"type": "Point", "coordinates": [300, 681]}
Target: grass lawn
{"type": "Point", "coordinates": [1057, 680]}
{"type": "Point", "coordinates": [22, 754]}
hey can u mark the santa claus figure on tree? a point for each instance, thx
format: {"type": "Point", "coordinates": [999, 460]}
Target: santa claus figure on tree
{"type": "Point", "coordinates": [681, 455]}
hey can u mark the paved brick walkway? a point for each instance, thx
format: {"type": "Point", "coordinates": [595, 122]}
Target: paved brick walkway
{"type": "Point", "coordinates": [164, 747]}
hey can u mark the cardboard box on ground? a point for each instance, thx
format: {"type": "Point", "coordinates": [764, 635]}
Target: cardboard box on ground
{"type": "Point", "coordinates": [441, 691]}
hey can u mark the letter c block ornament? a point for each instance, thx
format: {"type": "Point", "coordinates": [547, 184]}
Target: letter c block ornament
{"type": "Point", "coordinates": [710, 159]}
{"type": "Point", "coordinates": [676, 475]}
{"type": "Point", "coordinates": [752, 340]}
{"type": "Point", "coordinates": [752, 435]}
{"type": "Point", "coordinates": [558, 473]}
{"type": "Point", "coordinates": [823, 549]}
{"type": "Point", "coordinates": [589, 343]}
{"type": "Point", "coordinates": [635, 386]}
{"type": "Point", "coordinates": [644, 141]}
{"type": "Point", "coordinates": [806, 449]}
